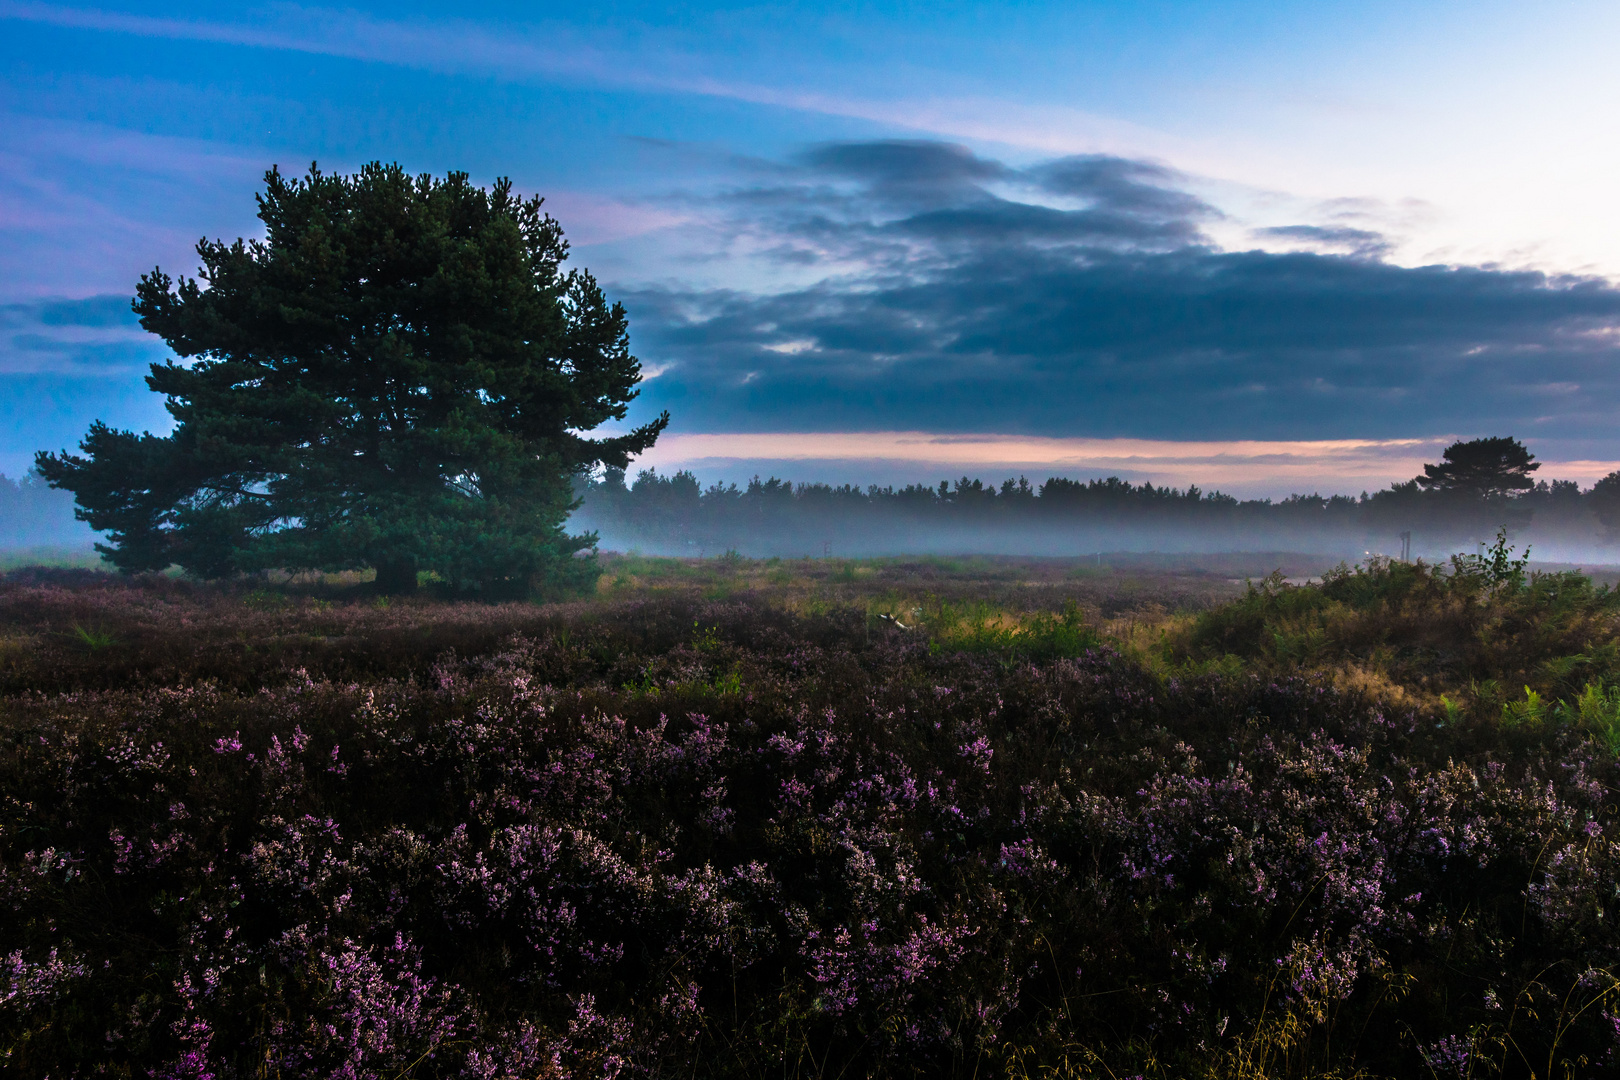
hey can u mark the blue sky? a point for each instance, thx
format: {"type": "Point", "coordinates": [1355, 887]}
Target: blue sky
{"type": "Point", "coordinates": [1034, 230]}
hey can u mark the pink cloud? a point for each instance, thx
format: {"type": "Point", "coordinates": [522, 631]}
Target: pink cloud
{"type": "Point", "coordinates": [1251, 468]}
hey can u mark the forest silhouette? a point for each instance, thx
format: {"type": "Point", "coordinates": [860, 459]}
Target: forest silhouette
{"type": "Point", "coordinates": [1459, 503]}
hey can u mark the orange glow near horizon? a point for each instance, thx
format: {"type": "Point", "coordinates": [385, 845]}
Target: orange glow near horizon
{"type": "Point", "coordinates": [1331, 466]}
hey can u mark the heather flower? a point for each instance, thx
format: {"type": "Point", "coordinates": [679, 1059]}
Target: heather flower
{"type": "Point", "coordinates": [460, 841]}
{"type": "Point", "coordinates": [25, 986]}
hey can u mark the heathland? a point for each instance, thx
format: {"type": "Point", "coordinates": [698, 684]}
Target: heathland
{"type": "Point", "coordinates": [736, 818]}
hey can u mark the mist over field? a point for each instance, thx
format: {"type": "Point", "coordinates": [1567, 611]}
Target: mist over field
{"type": "Point", "coordinates": [33, 515]}
{"type": "Point", "coordinates": [678, 515]}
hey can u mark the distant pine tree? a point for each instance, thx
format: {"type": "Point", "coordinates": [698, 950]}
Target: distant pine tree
{"type": "Point", "coordinates": [1484, 468]}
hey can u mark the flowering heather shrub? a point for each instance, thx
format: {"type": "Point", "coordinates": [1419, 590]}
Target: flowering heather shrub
{"type": "Point", "coordinates": [677, 838]}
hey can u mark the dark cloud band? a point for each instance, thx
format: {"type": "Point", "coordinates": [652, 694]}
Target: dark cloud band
{"type": "Point", "coordinates": [1081, 296]}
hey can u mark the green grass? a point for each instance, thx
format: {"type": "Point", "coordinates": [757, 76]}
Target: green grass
{"type": "Point", "coordinates": [52, 557]}
{"type": "Point", "coordinates": [1039, 635]}
{"type": "Point", "coordinates": [91, 639]}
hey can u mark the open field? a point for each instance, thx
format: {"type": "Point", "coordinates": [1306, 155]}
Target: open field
{"type": "Point", "coordinates": [967, 817]}
{"type": "Point", "coordinates": [62, 557]}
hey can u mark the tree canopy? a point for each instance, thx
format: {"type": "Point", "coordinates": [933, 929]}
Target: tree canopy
{"type": "Point", "coordinates": [399, 375]}
{"type": "Point", "coordinates": [1484, 468]}
{"type": "Point", "coordinates": [1605, 499]}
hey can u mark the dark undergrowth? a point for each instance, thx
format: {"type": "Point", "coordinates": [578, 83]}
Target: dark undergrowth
{"type": "Point", "coordinates": [253, 833]}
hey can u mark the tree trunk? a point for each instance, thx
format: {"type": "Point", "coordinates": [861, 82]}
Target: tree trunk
{"type": "Point", "coordinates": [396, 577]}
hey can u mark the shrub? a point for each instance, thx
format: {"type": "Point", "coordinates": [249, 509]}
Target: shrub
{"type": "Point", "coordinates": [1426, 628]}
{"type": "Point", "coordinates": [721, 839]}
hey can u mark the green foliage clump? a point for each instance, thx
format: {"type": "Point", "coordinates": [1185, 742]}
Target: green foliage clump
{"type": "Point", "coordinates": [1039, 635]}
{"type": "Point", "coordinates": [1464, 629]}
{"type": "Point", "coordinates": [1595, 710]}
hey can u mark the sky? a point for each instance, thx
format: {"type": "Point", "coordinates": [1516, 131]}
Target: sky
{"type": "Point", "coordinates": [1265, 247]}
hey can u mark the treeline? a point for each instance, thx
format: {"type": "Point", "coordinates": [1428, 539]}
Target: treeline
{"type": "Point", "coordinates": [1455, 505]}
{"type": "Point", "coordinates": [675, 514]}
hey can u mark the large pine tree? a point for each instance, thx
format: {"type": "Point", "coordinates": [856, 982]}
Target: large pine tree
{"type": "Point", "coordinates": [396, 376]}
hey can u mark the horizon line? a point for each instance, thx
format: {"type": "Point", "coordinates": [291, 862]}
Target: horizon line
{"type": "Point", "coordinates": [1256, 466]}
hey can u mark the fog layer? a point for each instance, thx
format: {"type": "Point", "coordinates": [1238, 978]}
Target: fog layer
{"type": "Point", "coordinates": [678, 515]}
{"type": "Point", "coordinates": [33, 515]}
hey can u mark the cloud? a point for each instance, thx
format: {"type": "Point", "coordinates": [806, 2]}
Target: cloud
{"type": "Point", "coordinates": [66, 361]}
{"type": "Point", "coordinates": [1082, 296]}
{"type": "Point", "coordinates": [550, 50]}
{"type": "Point", "coordinates": [85, 207]}
{"type": "Point", "coordinates": [95, 336]}
{"type": "Point", "coordinates": [1331, 238]}
{"type": "Point", "coordinates": [1242, 467]}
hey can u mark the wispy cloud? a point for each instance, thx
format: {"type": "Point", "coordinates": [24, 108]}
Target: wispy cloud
{"type": "Point", "coordinates": [1245, 467]}
{"type": "Point", "coordinates": [554, 50]}
{"type": "Point", "coordinates": [85, 208]}
{"type": "Point", "coordinates": [95, 336]}
{"type": "Point", "coordinates": [1331, 238]}
{"type": "Point", "coordinates": [1338, 465]}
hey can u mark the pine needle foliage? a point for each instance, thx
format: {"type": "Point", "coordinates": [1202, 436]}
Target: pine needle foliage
{"type": "Point", "coordinates": [397, 376]}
